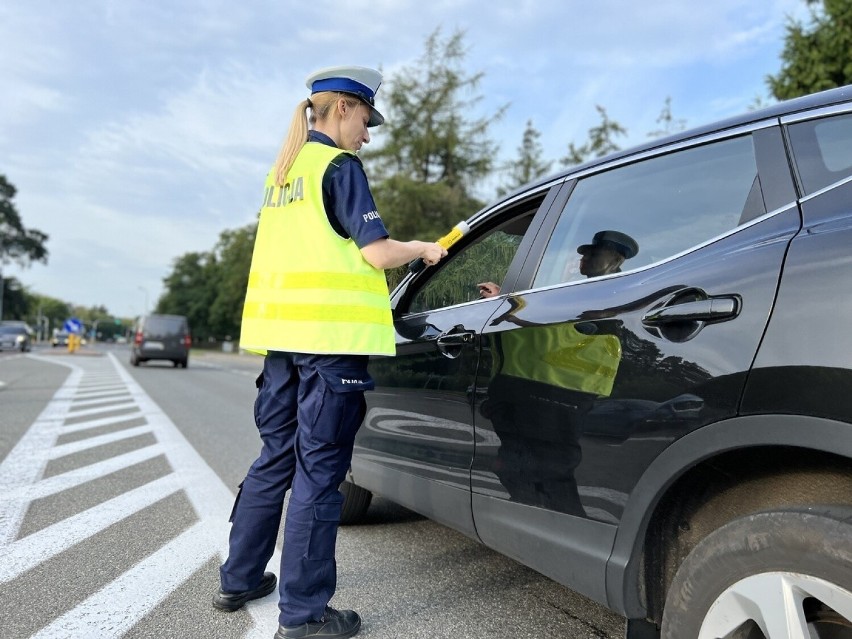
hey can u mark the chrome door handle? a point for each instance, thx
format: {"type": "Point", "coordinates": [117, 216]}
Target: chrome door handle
{"type": "Point", "coordinates": [452, 341]}
{"type": "Point", "coordinates": [714, 309]}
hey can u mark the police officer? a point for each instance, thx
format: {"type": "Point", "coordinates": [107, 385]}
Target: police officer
{"type": "Point", "coordinates": [317, 307]}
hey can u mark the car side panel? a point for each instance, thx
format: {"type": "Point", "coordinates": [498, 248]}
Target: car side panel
{"type": "Point", "coordinates": [565, 548]}
{"type": "Point", "coordinates": [665, 385]}
{"type": "Point", "coordinates": [814, 302]}
{"type": "Point", "coordinates": [417, 440]}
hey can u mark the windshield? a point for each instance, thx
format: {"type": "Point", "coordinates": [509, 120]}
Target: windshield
{"type": "Point", "coordinates": [164, 325]}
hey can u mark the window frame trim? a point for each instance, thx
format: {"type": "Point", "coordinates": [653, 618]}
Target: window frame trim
{"type": "Point", "coordinates": [806, 116]}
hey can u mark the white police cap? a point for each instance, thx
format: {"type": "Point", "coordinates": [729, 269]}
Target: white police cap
{"type": "Point", "coordinates": [361, 82]}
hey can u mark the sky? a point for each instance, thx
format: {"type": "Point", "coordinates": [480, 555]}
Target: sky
{"type": "Point", "coordinates": [136, 131]}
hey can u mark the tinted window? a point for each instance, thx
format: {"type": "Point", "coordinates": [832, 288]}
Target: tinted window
{"type": "Point", "coordinates": [485, 260]}
{"type": "Point", "coordinates": [665, 204]}
{"type": "Point", "coordinates": [164, 325]}
{"type": "Point", "coordinates": [823, 151]}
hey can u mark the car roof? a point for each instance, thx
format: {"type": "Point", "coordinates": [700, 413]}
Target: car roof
{"type": "Point", "coordinates": [780, 109]}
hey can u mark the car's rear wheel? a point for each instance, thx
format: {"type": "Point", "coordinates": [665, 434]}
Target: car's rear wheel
{"type": "Point", "coordinates": [773, 575]}
{"type": "Point", "coordinates": [356, 501]}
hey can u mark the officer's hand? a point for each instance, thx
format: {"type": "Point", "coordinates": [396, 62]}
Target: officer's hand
{"type": "Point", "coordinates": [432, 253]}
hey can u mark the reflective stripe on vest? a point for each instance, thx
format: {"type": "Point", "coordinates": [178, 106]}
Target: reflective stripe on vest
{"type": "Point", "coordinates": [561, 356]}
{"type": "Point", "coordinates": [309, 290]}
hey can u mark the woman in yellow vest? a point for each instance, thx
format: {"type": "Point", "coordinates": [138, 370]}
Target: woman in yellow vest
{"type": "Point", "coordinates": [317, 307]}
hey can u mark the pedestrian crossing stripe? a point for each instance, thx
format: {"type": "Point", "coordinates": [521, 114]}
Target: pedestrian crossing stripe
{"type": "Point", "coordinates": [99, 393]}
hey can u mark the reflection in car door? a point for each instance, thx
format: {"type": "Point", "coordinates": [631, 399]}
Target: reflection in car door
{"type": "Point", "coordinates": [417, 442]}
{"type": "Point", "coordinates": [419, 420]}
{"type": "Point", "coordinates": [588, 381]}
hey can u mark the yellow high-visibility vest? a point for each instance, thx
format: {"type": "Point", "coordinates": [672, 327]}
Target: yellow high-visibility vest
{"type": "Point", "coordinates": [559, 355]}
{"type": "Point", "coordinates": [310, 290]}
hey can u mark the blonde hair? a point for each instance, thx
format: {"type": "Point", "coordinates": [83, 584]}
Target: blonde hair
{"type": "Point", "coordinates": [321, 106]}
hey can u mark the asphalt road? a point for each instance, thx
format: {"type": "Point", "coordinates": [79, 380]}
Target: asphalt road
{"type": "Point", "coordinates": [117, 483]}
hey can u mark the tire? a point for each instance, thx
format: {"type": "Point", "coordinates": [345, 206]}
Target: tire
{"type": "Point", "coordinates": [356, 501]}
{"type": "Point", "coordinates": [134, 361]}
{"type": "Point", "coordinates": [785, 574]}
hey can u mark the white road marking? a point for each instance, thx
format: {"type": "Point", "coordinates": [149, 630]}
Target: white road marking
{"type": "Point", "coordinates": [24, 554]}
{"type": "Point", "coordinates": [24, 465]}
{"type": "Point", "coordinates": [113, 610]}
{"type": "Point", "coordinates": [57, 484]}
{"type": "Point", "coordinates": [121, 604]}
{"type": "Point", "coordinates": [93, 442]}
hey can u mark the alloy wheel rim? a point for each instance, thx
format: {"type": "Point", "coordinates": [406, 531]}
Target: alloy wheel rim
{"type": "Point", "coordinates": [780, 605]}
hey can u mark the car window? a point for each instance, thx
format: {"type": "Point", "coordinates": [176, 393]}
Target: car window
{"type": "Point", "coordinates": [654, 209]}
{"type": "Point", "coordinates": [13, 330]}
{"type": "Point", "coordinates": [486, 259]}
{"type": "Point", "coordinates": [823, 151]}
{"type": "Point", "coordinates": [164, 325]}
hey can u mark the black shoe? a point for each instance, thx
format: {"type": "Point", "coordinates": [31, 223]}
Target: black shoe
{"type": "Point", "coordinates": [231, 601]}
{"type": "Point", "coordinates": [335, 624]}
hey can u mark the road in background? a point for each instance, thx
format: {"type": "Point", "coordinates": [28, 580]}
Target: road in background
{"type": "Point", "coordinates": [117, 485]}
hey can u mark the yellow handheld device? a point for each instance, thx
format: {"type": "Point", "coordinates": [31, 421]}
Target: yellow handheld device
{"type": "Point", "coordinates": [458, 232]}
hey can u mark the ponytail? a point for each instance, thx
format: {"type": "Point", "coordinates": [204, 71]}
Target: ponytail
{"type": "Point", "coordinates": [295, 140]}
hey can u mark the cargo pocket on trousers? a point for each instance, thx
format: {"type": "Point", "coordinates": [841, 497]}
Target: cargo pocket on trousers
{"type": "Point", "coordinates": [342, 406]}
{"type": "Point", "coordinates": [324, 530]}
{"type": "Point", "coordinates": [236, 503]}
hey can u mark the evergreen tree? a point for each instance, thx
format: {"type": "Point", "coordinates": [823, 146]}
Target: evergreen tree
{"type": "Point", "coordinates": [529, 164]}
{"type": "Point", "coordinates": [668, 124]}
{"type": "Point", "coordinates": [816, 57]}
{"type": "Point", "coordinates": [600, 141]}
{"type": "Point", "coordinates": [433, 153]}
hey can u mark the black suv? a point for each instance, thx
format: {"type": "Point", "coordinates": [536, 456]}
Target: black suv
{"type": "Point", "coordinates": [161, 337]}
{"type": "Point", "coordinates": [636, 378]}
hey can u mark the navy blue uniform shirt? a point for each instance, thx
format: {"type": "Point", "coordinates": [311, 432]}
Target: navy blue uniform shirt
{"type": "Point", "coordinates": [348, 201]}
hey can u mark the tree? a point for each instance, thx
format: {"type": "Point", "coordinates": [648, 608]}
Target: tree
{"type": "Point", "coordinates": [668, 124]}
{"type": "Point", "coordinates": [15, 301]}
{"type": "Point", "coordinates": [433, 154]}
{"type": "Point", "coordinates": [233, 257]}
{"type": "Point", "coordinates": [816, 57]}
{"type": "Point", "coordinates": [56, 311]}
{"type": "Point", "coordinates": [17, 243]}
{"type": "Point", "coordinates": [529, 164]}
{"type": "Point", "coordinates": [600, 141]}
{"type": "Point", "coordinates": [190, 290]}
{"type": "Point", "coordinates": [210, 287]}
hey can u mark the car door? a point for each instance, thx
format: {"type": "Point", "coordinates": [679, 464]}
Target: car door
{"type": "Point", "coordinates": [590, 374]}
{"type": "Point", "coordinates": [417, 441]}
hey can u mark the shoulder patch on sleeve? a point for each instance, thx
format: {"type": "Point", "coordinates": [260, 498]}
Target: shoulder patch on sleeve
{"type": "Point", "coordinates": [343, 158]}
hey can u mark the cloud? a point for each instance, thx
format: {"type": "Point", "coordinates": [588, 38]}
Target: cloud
{"type": "Point", "coordinates": [137, 130]}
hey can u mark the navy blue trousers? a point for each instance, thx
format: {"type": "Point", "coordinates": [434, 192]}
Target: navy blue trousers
{"type": "Point", "coordinates": [307, 411]}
